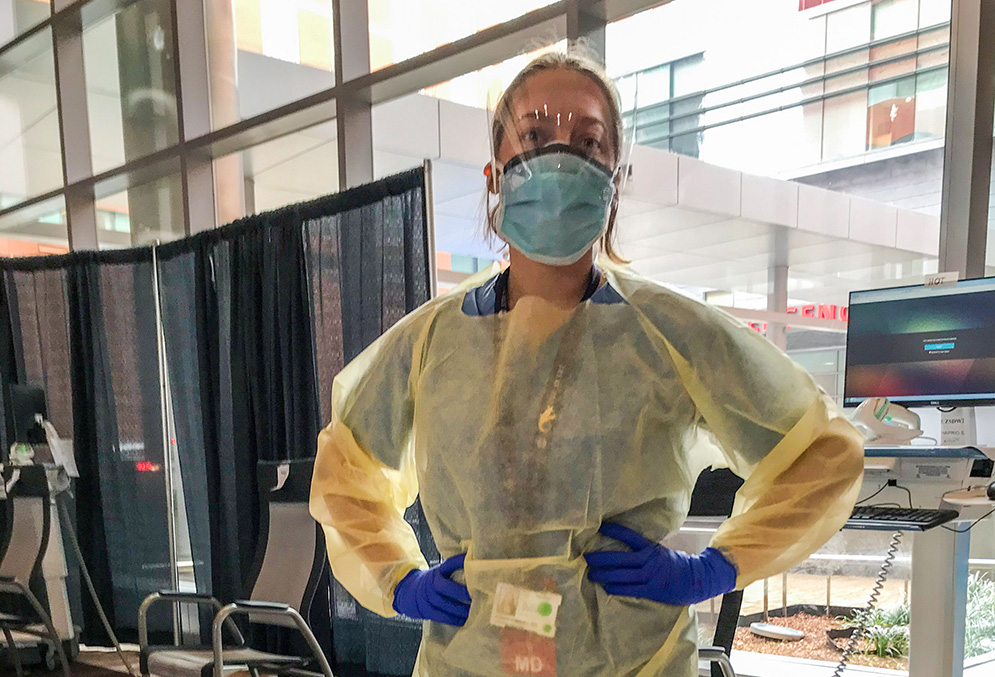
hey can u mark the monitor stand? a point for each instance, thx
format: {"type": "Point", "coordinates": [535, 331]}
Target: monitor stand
{"type": "Point", "coordinates": [958, 427]}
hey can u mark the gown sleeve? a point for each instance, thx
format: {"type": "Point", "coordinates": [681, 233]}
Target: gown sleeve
{"type": "Point", "coordinates": [364, 474]}
{"type": "Point", "coordinates": [801, 460]}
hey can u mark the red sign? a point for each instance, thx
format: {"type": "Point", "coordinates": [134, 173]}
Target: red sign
{"type": "Point", "coordinates": [523, 653]}
{"type": "Point", "coordinates": [822, 311]}
{"type": "Point", "coordinates": [809, 4]}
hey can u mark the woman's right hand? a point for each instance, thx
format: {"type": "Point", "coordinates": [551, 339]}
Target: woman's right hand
{"type": "Point", "coordinates": [431, 595]}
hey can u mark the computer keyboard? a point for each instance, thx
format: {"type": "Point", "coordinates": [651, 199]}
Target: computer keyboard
{"type": "Point", "coordinates": [898, 519]}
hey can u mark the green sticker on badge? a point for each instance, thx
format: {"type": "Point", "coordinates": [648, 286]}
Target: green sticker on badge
{"type": "Point", "coordinates": [545, 609]}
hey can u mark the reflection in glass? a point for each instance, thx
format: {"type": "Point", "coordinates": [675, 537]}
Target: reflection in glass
{"type": "Point", "coordinates": [891, 113]}
{"type": "Point", "coordinates": [18, 16]}
{"type": "Point", "coordinates": [30, 150]}
{"type": "Point", "coordinates": [38, 230]}
{"type": "Point", "coordinates": [131, 89]}
{"type": "Point", "coordinates": [294, 168]}
{"type": "Point", "coordinates": [893, 17]}
{"type": "Point", "coordinates": [264, 54]}
{"type": "Point", "coordinates": [401, 29]}
{"type": "Point", "coordinates": [480, 88]}
{"type": "Point", "coordinates": [142, 215]}
{"type": "Point", "coordinates": [763, 100]}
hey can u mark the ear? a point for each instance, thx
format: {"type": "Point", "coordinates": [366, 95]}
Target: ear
{"type": "Point", "coordinates": [491, 174]}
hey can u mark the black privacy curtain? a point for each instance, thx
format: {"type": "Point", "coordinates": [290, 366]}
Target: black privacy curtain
{"type": "Point", "coordinates": [257, 318]}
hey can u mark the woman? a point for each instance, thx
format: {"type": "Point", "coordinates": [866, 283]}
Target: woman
{"type": "Point", "coordinates": [554, 419]}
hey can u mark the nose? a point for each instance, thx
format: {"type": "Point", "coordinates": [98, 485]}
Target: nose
{"type": "Point", "coordinates": [560, 124]}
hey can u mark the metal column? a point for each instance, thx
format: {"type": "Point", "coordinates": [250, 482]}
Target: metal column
{"type": "Point", "coordinates": [777, 301]}
{"type": "Point", "coordinates": [938, 603]}
{"type": "Point", "coordinates": [74, 128]}
{"type": "Point", "coordinates": [586, 29]}
{"type": "Point", "coordinates": [968, 152]}
{"type": "Point", "coordinates": [190, 35]}
{"type": "Point", "coordinates": [354, 118]}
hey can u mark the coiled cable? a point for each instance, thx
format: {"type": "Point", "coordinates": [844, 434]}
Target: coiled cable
{"type": "Point", "coordinates": [858, 632]}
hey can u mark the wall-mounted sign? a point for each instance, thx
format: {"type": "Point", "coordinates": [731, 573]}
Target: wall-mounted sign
{"type": "Point", "coordinates": [809, 4]}
{"type": "Point", "coordinates": [822, 311]}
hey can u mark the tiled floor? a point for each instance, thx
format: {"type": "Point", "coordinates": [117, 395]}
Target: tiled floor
{"type": "Point", "coordinates": [849, 591]}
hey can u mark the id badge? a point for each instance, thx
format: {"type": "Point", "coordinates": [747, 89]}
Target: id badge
{"type": "Point", "coordinates": [525, 610]}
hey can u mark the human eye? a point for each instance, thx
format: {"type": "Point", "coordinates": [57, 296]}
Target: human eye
{"type": "Point", "coordinates": [591, 144]}
{"type": "Point", "coordinates": [532, 138]}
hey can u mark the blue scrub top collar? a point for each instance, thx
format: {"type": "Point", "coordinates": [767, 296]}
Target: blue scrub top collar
{"type": "Point", "coordinates": [501, 288]}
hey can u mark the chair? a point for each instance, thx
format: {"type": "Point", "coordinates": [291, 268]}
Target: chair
{"type": "Point", "coordinates": [289, 564]}
{"type": "Point", "coordinates": [29, 523]}
{"type": "Point", "coordinates": [713, 496]}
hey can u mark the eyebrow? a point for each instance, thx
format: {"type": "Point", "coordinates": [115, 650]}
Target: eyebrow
{"type": "Point", "coordinates": [580, 120]}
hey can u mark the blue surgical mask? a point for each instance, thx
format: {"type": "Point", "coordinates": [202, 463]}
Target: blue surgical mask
{"type": "Point", "coordinates": [554, 204]}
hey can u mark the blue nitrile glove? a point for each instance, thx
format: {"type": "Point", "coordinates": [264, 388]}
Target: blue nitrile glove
{"type": "Point", "coordinates": [431, 595]}
{"type": "Point", "coordinates": [654, 572]}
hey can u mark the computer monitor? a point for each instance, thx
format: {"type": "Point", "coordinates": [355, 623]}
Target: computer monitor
{"type": "Point", "coordinates": [922, 346]}
{"type": "Point", "coordinates": [26, 402]}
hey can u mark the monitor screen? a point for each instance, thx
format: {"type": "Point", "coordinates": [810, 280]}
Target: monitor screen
{"type": "Point", "coordinates": [922, 346]}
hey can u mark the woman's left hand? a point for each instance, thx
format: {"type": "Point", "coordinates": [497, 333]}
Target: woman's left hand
{"type": "Point", "coordinates": [651, 571]}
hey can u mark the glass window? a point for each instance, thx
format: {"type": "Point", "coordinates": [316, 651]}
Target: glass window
{"type": "Point", "coordinates": [476, 89]}
{"type": "Point", "coordinates": [141, 215]}
{"type": "Point", "coordinates": [30, 147]}
{"type": "Point", "coordinates": [931, 104]}
{"type": "Point", "coordinates": [846, 71]}
{"type": "Point", "coordinates": [37, 230]}
{"type": "Point", "coordinates": [130, 84]}
{"type": "Point", "coordinates": [293, 168]}
{"type": "Point", "coordinates": [893, 17]}
{"type": "Point", "coordinates": [265, 54]}
{"type": "Point", "coordinates": [932, 12]}
{"type": "Point", "coordinates": [17, 16]}
{"type": "Point", "coordinates": [776, 103]}
{"type": "Point", "coordinates": [844, 126]}
{"type": "Point", "coordinates": [934, 47]}
{"type": "Point", "coordinates": [818, 361]}
{"type": "Point", "coordinates": [401, 29]}
{"type": "Point", "coordinates": [848, 28]}
{"type": "Point", "coordinates": [891, 113]}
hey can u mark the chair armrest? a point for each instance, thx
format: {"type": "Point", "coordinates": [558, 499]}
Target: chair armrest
{"type": "Point", "coordinates": [181, 597]}
{"type": "Point", "coordinates": [252, 607]}
{"type": "Point", "coordinates": [10, 584]}
{"type": "Point", "coordinates": [717, 655]}
{"type": "Point", "coordinates": [258, 605]}
{"type": "Point", "coordinates": [192, 597]}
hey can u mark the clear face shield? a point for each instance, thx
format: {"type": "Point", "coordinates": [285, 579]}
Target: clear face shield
{"type": "Point", "coordinates": [558, 159]}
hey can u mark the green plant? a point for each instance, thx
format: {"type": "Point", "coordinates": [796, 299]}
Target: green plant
{"type": "Point", "coordinates": [886, 631]}
{"type": "Point", "coordinates": [887, 642]}
{"type": "Point", "coordinates": [979, 636]}
{"type": "Point", "coordinates": [888, 617]}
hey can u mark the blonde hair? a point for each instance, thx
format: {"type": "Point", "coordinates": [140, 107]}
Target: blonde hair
{"type": "Point", "coordinates": [576, 59]}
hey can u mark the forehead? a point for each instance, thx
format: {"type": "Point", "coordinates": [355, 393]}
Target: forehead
{"type": "Point", "coordinates": [561, 91]}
